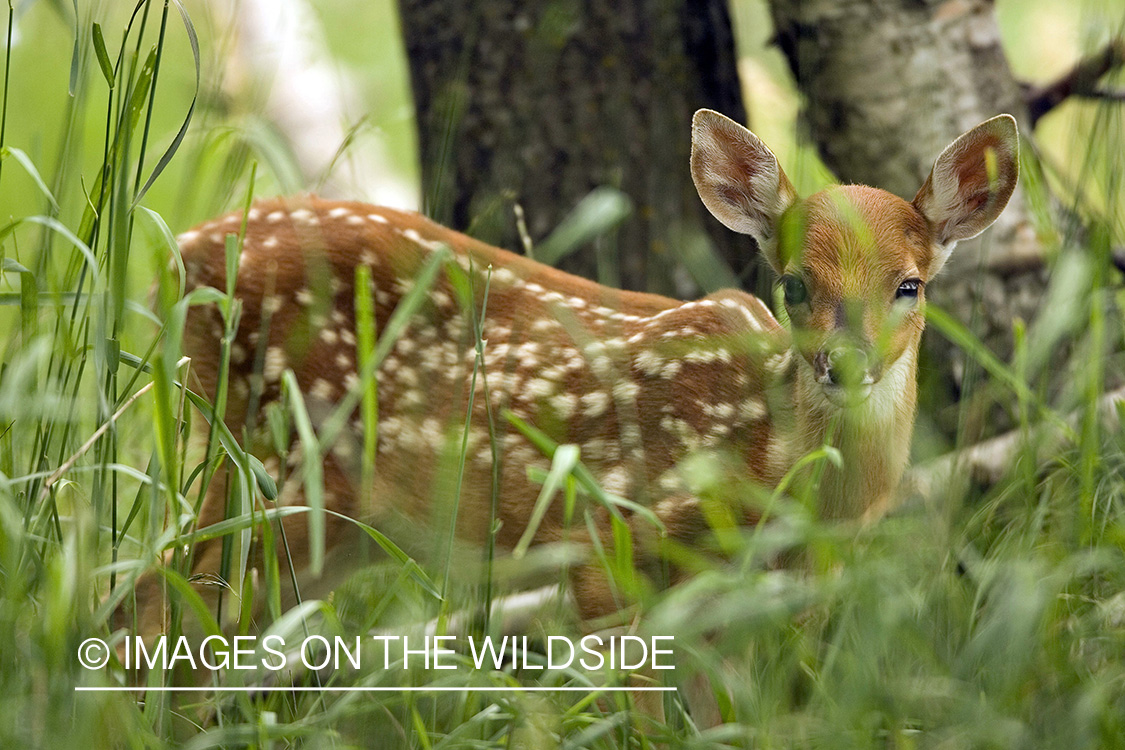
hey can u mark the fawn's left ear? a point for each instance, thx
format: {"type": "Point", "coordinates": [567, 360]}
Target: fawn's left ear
{"type": "Point", "coordinates": [970, 184]}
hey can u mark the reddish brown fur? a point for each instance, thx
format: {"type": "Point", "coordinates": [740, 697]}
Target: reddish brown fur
{"type": "Point", "coordinates": [632, 423]}
{"type": "Point", "coordinates": [856, 245]}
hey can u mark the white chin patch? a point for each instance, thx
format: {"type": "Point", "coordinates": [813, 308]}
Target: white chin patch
{"type": "Point", "coordinates": [847, 398]}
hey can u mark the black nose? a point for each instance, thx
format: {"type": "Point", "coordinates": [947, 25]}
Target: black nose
{"type": "Point", "coordinates": [847, 365]}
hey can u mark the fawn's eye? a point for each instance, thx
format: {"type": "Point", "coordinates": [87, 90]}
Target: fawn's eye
{"type": "Point", "coordinates": [794, 288]}
{"type": "Point", "coordinates": [908, 289]}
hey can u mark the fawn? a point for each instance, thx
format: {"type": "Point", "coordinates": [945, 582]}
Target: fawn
{"type": "Point", "coordinates": [636, 381]}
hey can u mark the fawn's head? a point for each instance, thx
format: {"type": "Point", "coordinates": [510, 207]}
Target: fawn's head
{"type": "Point", "coordinates": [853, 260]}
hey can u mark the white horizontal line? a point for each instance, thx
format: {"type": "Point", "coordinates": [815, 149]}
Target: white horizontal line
{"type": "Point", "coordinates": [367, 689]}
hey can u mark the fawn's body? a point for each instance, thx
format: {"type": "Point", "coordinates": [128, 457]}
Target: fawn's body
{"type": "Point", "coordinates": [637, 381]}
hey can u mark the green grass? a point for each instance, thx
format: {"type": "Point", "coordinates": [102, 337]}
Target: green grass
{"type": "Point", "coordinates": [986, 615]}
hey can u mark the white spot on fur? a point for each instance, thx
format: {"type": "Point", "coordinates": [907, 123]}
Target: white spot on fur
{"type": "Point", "coordinates": [305, 216]}
{"type": "Point", "coordinates": [564, 404]}
{"type": "Point", "coordinates": [616, 481]}
{"type": "Point", "coordinates": [274, 364]}
{"type": "Point", "coordinates": [528, 354]}
{"type": "Point", "coordinates": [778, 363]}
{"type": "Point", "coordinates": [594, 449]}
{"type": "Point", "coordinates": [704, 356]}
{"type": "Point", "coordinates": [752, 410]}
{"type": "Point", "coordinates": [322, 389]}
{"type": "Point", "coordinates": [625, 391]}
{"type": "Point", "coordinates": [595, 403]}
{"type": "Point", "coordinates": [669, 482]}
{"type": "Point", "coordinates": [539, 388]}
{"type": "Point", "coordinates": [722, 411]}
{"type": "Point", "coordinates": [649, 362]}
{"type": "Point", "coordinates": [343, 448]}
{"type": "Point", "coordinates": [503, 276]}
{"type": "Point", "coordinates": [408, 377]}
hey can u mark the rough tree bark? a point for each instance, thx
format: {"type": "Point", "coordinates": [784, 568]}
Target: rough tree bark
{"type": "Point", "coordinates": [888, 83]}
{"type": "Point", "coordinates": [538, 103]}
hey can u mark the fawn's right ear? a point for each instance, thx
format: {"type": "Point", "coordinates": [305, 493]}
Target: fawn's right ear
{"type": "Point", "coordinates": [739, 180]}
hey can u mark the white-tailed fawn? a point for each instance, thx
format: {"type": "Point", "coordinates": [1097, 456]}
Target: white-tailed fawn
{"type": "Point", "coordinates": [636, 381]}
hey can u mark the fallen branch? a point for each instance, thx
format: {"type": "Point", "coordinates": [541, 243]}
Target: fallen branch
{"type": "Point", "coordinates": [987, 462]}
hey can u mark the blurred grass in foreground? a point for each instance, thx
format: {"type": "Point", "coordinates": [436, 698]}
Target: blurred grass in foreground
{"type": "Point", "coordinates": [991, 616]}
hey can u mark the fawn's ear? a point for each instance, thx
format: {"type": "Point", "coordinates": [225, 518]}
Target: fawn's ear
{"type": "Point", "coordinates": [739, 180]}
{"type": "Point", "coordinates": [970, 184]}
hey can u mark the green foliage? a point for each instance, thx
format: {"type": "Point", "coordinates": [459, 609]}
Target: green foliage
{"type": "Point", "coordinates": [992, 615]}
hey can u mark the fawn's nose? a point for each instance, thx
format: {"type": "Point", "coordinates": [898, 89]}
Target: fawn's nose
{"type": "Point", "coordinates": [847, 366]}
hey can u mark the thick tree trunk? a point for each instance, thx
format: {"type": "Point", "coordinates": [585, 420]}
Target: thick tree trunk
{"type": "Point", "coordinates": [538, 103]}
{"type": "Point", "coordinates": [888, 84]}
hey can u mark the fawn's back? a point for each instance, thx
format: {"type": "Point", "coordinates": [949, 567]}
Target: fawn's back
{"type": "Point", "coordinates": [637, 381]}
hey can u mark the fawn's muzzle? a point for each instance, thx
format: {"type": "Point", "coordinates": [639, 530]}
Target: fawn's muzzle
{"type": "Point", "coordinates": [846, 373]}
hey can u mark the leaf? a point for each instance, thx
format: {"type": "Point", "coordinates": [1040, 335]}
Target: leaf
{"type": "Point", "coordinates": [29, 167]}
{"type": "Point", "coordinates": [601, 210]}
{"type": "Point", "coordinates": [235, 524]}
{"type": "Point", "coordinates": [59, 228]}
{"type": "Point", "coordinates": [314, 471]}
{"type": "Point", "coordinates": [10, 265]}
{"type": "Point", "coordinates": [399, 320]}
{"type": "Point", "coordinates": [103, 55]}
{"type": "Point", "coordinates": [583, 475]}
{"type": "Point", "coordinates": [699, 256]}
{"type": "Point", "coordinates": [265, 482]}
{"type": "Point", "coordinates": [75, 58]}
{"type": "Point", "coordinates": [174, 146]}
{"type": "Point", "coordinates": [562, 465]}
{"type": "Point", "coordinates": [394, 551]}
{"type": "Point", "coordinates": [140, 93]}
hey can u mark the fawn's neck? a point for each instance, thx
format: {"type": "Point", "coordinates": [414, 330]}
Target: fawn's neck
{"type": "Point", "coordinates": [873, 437]}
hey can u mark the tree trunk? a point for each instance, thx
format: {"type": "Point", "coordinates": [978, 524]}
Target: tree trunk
{"type": "Point", "coordinates": [538, 103]}
{"type": "Point", "coordinates": [888, 84]}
